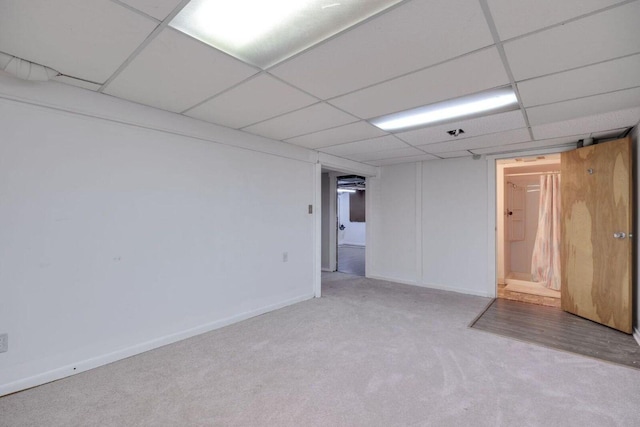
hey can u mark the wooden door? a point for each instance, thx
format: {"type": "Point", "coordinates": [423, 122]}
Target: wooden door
{"type": "Point", "coordinates": [596, 195]}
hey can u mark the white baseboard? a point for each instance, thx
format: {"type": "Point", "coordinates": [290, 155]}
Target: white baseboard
{"type": "Point", "coordinates": [464, 291]}
{"type": "Point", "coordinates": [636, 335]}
{"type": "Point", "coordinates": [327, 270]}
{"type": "Point", "coordinates": [391, 279]}
{"type": "Point", "coordinates": [85, 365]}
{"type": "Point", "coordinates": [432, 286]}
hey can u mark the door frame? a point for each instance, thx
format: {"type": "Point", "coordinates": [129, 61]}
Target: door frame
{"type": "Point", "coordinates": [339, 167]}
{"type": "Point", "coordinates": [492, 209]}
{"type": "Point", "coordinates": [335, 219]}
{"type": "Point", "coordinates": [503, 254]}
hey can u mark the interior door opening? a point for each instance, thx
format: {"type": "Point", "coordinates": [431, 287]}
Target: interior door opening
{"type": "Point", "coordinates": [351, 224]}
{"type": "Point", "coordinates": [528, 225]}
{"type": "Point", "coordinates": [581, 256]}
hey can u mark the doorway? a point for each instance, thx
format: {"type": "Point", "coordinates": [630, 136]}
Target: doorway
{"type": "Point", "coordinates": [351, 224]}
{"type": "Point", "coordinates": [528, 225]}
{"type": "Point", "coordinates": [596, 226]}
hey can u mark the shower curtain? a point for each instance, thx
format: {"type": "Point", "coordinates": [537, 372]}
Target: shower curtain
{"type": "Point", "coordinates": [545, 262]}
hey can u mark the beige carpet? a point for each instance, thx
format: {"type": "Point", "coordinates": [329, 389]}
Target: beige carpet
{"type": "Point", "coordinates": [369, 353]}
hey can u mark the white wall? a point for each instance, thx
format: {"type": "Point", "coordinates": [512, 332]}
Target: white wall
{"type": "Point", "coordinates": [118, 238]}
{"type": "Point", "coordinates": [326, 229]}
{"type": "Point", "coordinates": [354, 232]}
{"type": "Point", "coordinates": [454, 225]}
{"type": "Point", "coordinates": [394, 237]}
{"type": "Point", "coordinates": [430, 224]}
{"type": "Point", "coordinates": [522, 250]}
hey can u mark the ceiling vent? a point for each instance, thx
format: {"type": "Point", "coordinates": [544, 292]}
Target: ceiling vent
{"type": "Point", "coordinates": [455, 132]}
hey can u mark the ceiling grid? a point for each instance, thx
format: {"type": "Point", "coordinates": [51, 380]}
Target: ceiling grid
{"type": "Point", "coordinates": [505, 62]}
{"type": "Point", "coordinates": [143, 45]}
{"type": "Point", "coordinates": [574, 67]}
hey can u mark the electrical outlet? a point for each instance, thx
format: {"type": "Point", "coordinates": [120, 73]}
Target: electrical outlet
{"type": "Point", "coordinates": [285, 256]}
{"type": "Point", "coordinates": [4, 343]}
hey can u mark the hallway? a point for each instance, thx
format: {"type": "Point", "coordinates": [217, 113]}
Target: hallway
{"type": "Point", "coordinates": [351, 259]}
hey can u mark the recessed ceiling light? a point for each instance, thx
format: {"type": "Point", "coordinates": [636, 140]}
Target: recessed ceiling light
{"type": "Point", "coordinates": [499, 100]}
{"type": "Point", "coordinates": [265, 32]}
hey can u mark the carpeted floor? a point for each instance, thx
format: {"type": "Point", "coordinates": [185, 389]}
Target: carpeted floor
{"type": "Point", "coordinates": [369, 353]}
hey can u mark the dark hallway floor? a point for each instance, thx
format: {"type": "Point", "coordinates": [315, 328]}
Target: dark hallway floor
{"type": "Point", "coordinates": [351, 259]}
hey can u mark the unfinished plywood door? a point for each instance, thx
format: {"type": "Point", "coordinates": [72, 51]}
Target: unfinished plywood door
{"type": "Point", "coordinates": [596, 233]}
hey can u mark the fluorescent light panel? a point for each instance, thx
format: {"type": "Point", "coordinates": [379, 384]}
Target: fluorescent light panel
{"type": "Point", "coordinates": [265, 32]}
{"type": "Point", "coordinates": [498, 100]}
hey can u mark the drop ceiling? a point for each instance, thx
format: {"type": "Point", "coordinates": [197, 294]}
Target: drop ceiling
{"type": "Point", "coordinates": [574, 64]}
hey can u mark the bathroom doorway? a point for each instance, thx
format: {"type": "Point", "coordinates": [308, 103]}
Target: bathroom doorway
{"type": "Point", "coordinates": [528, 226]}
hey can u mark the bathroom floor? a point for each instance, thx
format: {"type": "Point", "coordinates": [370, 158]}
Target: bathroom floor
{"type": "Point", "coordinates": [554, 328]}
{"type": "Point", "coordinates": [527, 297]}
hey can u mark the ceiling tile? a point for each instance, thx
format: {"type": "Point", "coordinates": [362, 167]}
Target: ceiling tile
{"type": "Point", "coordinates": [340, 135]}
{"type": "Point", "coordinates": [175, 72]}
{"type": "Point", "coordinates": [398, 160]}
{"type": "Point", "coordinates": [388, 142]}
{"type": "Point", "coordinates": [599, 78]}
{"type": "Point", "coordinates": [308, 120]}
{"type": "Point", "coordinates": [589, 124]}
{"type": "Point", "coordinates": [588, 106]}
{"type": "Point", "coordinates": [255, 100]}
{"type": "Point", "coordinates": [409, 37]}
{"type": "Point", "coordinates": [89, 40]}
{"type": "Point", "coordinates": [386, 154]}
{"type": "Point", "coordinates": [449, 80]}
{"type": "Point", "coordinates": [159, 9]}
{"type": "Point", "coordinates": [517, 17]}
{"type": "Point", "coordinates": [455, 154]}
{"type": "Point", "coordinates": [491, 140]}
{"type": "Point", "coordinates": [522, 146]}
{"type": "Point", "coordinates": [472, 127]}
{"type": "Point", "coordinates": [596, 38]}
